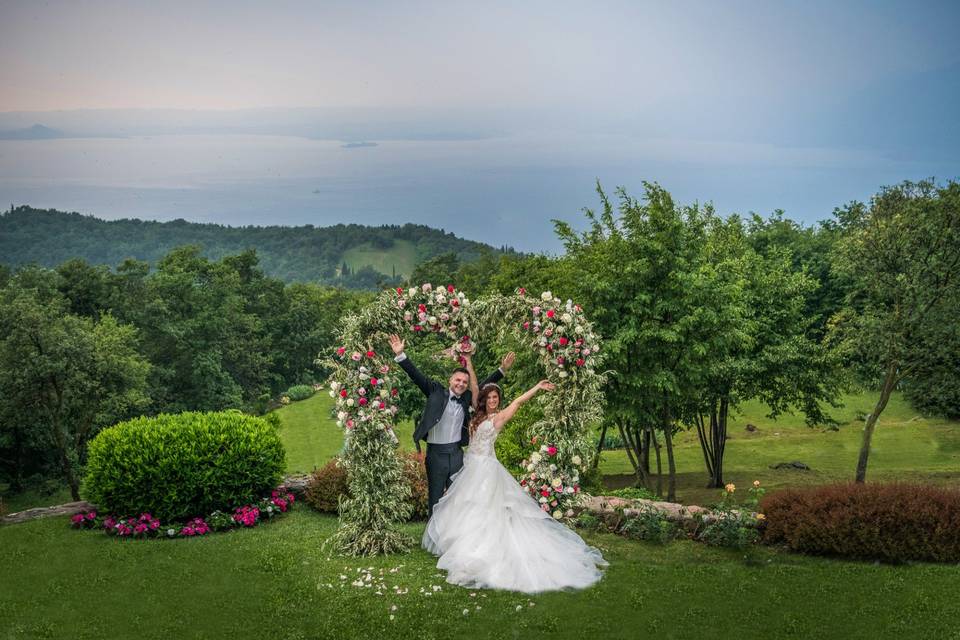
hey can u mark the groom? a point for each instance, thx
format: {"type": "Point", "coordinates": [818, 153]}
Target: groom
{"type": "Point", "coordinates": [445, 418]}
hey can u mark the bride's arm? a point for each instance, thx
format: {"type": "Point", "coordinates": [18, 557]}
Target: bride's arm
{"type": "Point", "coordinates": [501, 418]}
{"type": "Point", "coordinates": [474, 386]}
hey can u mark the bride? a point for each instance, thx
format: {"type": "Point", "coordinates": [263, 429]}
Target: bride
{"type": "Point", "coordinates": [488, 532]}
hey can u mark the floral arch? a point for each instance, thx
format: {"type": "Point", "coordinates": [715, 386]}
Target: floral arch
{"type": "Point", "coordinates": [365, 385]}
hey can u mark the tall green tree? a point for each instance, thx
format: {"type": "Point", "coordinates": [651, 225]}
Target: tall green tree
{"type": "Point", "coordinates": [64, 376]}
{"type": "Point", "coordinates": [901, 255]}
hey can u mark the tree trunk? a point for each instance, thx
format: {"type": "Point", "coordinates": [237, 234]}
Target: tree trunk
{"type": "Point", "coordinates": [603, 435]}
{"type": "Point", "coordinates": [645, 458]}
{"type": "Point", "coordinates": [656, 448]}
{"type": "Point", "coordinates": [889, 382]}
{"type": "Point", "coordinates": [671, 463]}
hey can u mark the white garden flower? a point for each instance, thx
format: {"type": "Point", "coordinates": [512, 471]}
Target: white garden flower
{"type": "Point", "coordinates": [575, 460]}
{"type": "Point", "coordinates": [543, 448]}
{"type": "Point", "coordinates": [578, 330]}
{"type": "Point", "coordinates": [341, 415]}
{"type": "Point", "coordinates": [553, 467]}
{"type": "Point", "coordinates": [556, 482]}
{"type": "Point", "coordinates": [536, 457]}
{"type": "Point", "coordinates": [530, 467]}
{"type": "Point", "coordinates": [568, 490]}
{"type": "Point", "coordinates": [567, 318]}
{"type": "Point", "coordinates": [384, 394]}
{"type": "Point", "coordinates": [543, 500]}
{"type": "Point", "coordinates": [563, 374]}
{"type": "Point", "coordinates": [546, 296]}
{"type": "Point", "coordinates": [426, 287]}
{"type": "Point", "coordinates": [433, 320]}
{"type": "Point", "coordinates": [557, 515]}
{"type": "Point", "coordinates": [350, 402]}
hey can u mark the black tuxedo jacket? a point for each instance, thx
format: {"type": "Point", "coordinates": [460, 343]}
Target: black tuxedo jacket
{"type": "Point", "coordinates": [437, 397]}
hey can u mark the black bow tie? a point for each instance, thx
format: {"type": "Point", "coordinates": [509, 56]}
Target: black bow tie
{"type": "Point", "coordinates": [454, 397]}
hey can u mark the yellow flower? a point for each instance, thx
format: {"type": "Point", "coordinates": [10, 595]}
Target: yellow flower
{"type": "Point", "coordinates": [731, 488]}
{"type": "Point", "coordinates": [760, 516]}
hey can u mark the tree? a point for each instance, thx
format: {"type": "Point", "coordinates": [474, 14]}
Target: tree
{"type": "Point", "coordinates": [64, 376]}
{"type": "Point", "coordinates": [902, 257]}
{"type": "Point", "coordinates": [439, 270]}
{"type": "Point", "coordinates": [640, 273]}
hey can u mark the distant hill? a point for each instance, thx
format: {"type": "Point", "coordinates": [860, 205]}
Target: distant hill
{"type": "Point", "coordinates": [353, 256]}
{"type": "Point", "coordinates": [36, 132]}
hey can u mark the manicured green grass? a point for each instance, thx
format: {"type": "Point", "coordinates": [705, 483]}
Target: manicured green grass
{"type": "Point", "coordinates": [906, 446]}
{"type": "Point", "coordinates": [311, 435]}
{"type": "Point", "coordinates": [279, 581]}
{"type": "Point", "coordinates": [402, 256]}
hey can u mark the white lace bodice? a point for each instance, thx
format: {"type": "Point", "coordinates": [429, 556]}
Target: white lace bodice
{"type": "Point", "coordinates": [481, 443]}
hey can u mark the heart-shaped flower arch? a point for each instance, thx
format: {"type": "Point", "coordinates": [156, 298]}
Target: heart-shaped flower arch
{"type": "Point", "coordinates": [365, 387]}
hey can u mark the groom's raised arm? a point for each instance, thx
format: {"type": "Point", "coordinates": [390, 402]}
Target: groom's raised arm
{"type": "Point", "coordinates": [426, 384]}
{"type": "Point", "coordinates": [498, 375]}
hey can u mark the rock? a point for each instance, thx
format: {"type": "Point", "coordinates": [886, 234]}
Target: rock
{"type": "Point", "coordinates": [609, 509]}
{"type": "Point", "coordinates": [751, 427]}
{"type": "Point", "coordinates": [790, 465]}
{"type": "Point", "coordinates": [68, 509]}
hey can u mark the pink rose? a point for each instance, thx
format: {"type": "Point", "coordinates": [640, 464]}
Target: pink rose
{"type": "Point", "coordinates": [552, 450]}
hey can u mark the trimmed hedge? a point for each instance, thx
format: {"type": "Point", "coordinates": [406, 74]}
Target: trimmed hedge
{"type": "Point", "coordinates": [178, 466]}
{"type": "Point", "coordinates": [891, 522]}
{"type": "Point", "coordinates": [329, 482]}
{"type": "Point", "coordinates": [300, 392]}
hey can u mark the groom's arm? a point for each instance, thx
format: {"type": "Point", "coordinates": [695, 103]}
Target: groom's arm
{"type": "Point", "coordinates": [427, 386]}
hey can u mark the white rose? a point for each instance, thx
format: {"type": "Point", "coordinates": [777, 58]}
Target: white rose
{"type": "Point", "coordinates": [543, 500]}
{"type": "Point", "coordinates": [350, 402]}
{"type": "Point", "coordinates": [426, 287]}
{"type": "Point", "coordinates": [546, 296]}
{"type": "Point", "coordinates": [536, 456]}
{"type": "Point", "coordinates": [433, 320]}
{"type": "Point", "coordinates": [557, 515]}
{"type": "Point", "coordinates": [553, 467]}
{"type": "Point", "coordinates": [567, 318]}
{"type": "Point", "coordinates": [341, 415]}
{"type": "Point", "coordinates": [578, 329]}
{"type": "Point", "coordinates": [569, 513]}
{"type": "Point", "coordinates": [575, 460]}
{"type": "Point", "coordinates": [568, 490]}
{"type": "Point", "coordinates": [530, 467]}
{"type": "Point", "coordinates": [384, 394]}
{"type": "Point", "coordinates": [563, 374]}
{"type": "Point", "coordinates": [556, 482]}
{"type": "Point", "coordinates": [411, 292]}
{"type": "Point", "coordinates": [332, 394]}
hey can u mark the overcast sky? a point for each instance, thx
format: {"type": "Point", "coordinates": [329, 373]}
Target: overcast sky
{"type": "Point", "coordinates": [861, 86]}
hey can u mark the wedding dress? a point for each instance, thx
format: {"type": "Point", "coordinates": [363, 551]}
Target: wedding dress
{"type": "Point", "coordinates": [489, 533]}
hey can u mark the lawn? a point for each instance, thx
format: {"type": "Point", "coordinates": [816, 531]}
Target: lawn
{"type": "Point", "coordinates": [402, 256]}
{"type": "Point", "coordinates": [278, 581]}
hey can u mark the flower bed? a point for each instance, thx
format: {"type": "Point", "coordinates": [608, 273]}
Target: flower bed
{"type": "Point", "coordinates": [147, 526]}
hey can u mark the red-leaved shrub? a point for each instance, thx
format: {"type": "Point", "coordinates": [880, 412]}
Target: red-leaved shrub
{"type": "Point", "coordinates": [329, 482]}
{"type": "Point", "coordinates": [892, 522]}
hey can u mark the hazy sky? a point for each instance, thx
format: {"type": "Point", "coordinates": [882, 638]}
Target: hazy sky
{"type": "Point", "coordinates": [871, 88]}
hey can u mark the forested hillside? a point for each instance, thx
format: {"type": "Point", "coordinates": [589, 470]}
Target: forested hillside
{"type": "Point", "coordinates": [338, 255]}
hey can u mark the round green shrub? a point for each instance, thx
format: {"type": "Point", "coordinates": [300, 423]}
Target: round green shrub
{"type": "Point", "coordinates": [177, 466]}
{"type": "Point", "coordinates": [300, 392]}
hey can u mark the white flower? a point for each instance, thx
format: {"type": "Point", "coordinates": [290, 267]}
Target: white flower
{"type": "Point", "coordinates": [332, 394]}
{"type": "Point", "coordinates": [384, 394]}
{"type": "Point", "coordinates": [433, 319]}
{"type": "Point", "coordinates": [350, 402]}
{"type": "Point", "coordinates": [569, 513]}
{"type": "Point", "coordinates": [530, 467]}
{"type": "Point", "coordinates": [426, 287]}
{"type": "Point", "coordinates": [466, 611]}
{"type": "Point", "coordinates": [546, 296]}
{"type": "Point", "coordinates": [411, 292]}
{"type": "Point", "coordinates": [568, 490]}
{"type": "Point", "coordinates": [401, 303]}
{"type": "Point", "coordinates": [553, 467]}
{"type": "Point", "coordinates": [536, 457]}
{"type": "Point", "coordinates": [578, 329]}
{"type": "Point", "coordinates": [557, 515]}
{"type": "Point", "coordinates": [556, 482]}
{"type": "Point", "coordinates": [171, 532]}
{"type": "Point", "coordinates": [519, 607]}
{"type": "Point", "coordinates": [575, 460]}
{"type": "Point", "coordinates": [563, 374]}
{"type": "Point", "coordinates": [543, 447]}
{"type": "Point", "coordinates": [543, 500]}
{"type": "Point", "coordinates": [341, 415]}
{"type": "Point", "coordinates": [567, 318]}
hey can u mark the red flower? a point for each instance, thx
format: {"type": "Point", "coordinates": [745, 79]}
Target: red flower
{"type": "Point", "coordinates": [370, 354]}
{"type": "Point", "coordinates": [399, 291]}
{"type": "Point", "coordinates": [552, 451]}
{"type": "Point", "coordinates": [341, 351]}
{"type": "Point", "coordinates": [550, 313]}
{"type": "Point", "coordinates": [382, 405]}
{"type": "Point", "coordinates": [560, 360]}
{"type": "Point", "coordinates": [394, 392]}
{"type": "Point", "coordinates": [580, 362]}
{"type": "Point", "coordinates": [362, 402]}
{"type": "Point", "coordinates": [373, 382]}
{"type": "Point", "coordinates": [343, 393]}
{"type": "Point", "coordinates": [422, 308]}
{"type": "Point", "coordinates": [545, 494]}
{"type": "Point", "coordinates": [526, 325]}
{"type": "Point", "coordinates": [450, 288]}
{"type": "Point", "coordinates": [549, 347]}
{"type": "Point", "coordinates": [455, 303]}
{"type": "Point", "coordinates": [522, 291]}
{"type": "Point", "coordinates": [417, 327]}
{"type": "Point", "coordinates": [563, 342]}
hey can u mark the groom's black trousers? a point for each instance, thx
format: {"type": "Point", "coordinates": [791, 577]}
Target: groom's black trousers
{"type": "Point", "coordinates": [443, 460]}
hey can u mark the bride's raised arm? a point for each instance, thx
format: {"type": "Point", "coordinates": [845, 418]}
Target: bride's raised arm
{"type": "Point", "coordinates": [503, 416]}
{"type": "Point", "coordinates": [474, 385]}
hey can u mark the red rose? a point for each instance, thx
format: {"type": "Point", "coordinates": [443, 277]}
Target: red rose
{"type": "Point", "coordinates": [373, 381]}
{"type": "Point", "coordinates": [526, 325]}
{"type": "Point", "coordinates": [370, 354]}
{"type": "Point", "coordinates": [455, 302]}
{"type": "Point", "coordinates": [382, 405]}
{"type": "Point", "coordinates": [417, 327]}
{"type": "Point", "coordinates": [341, 351]}
{"type": "Point", "coordinates": [343, 393]}
{"type": "Point", "coordinates": [560, 360]}
{"type": "Point", "coordinates": [450, 288]}
{"type": "Point", "coordinates": [550, 313]}
{"type": "Point", "coordinates": [362, 402]}
{"type": "Point", "coordinates": [422, 308]}
{"type": "Point", "coordinates": [580, 362]}
{"type": "Point", "coordinates": [394, 392]}
{"type": "Point", "coordinates": [522, 291]}
{"type": "Point", "coordinates": [563, 342]}
{"type": "Point", "coordinates": [399, 291]}
{"type": "Point", "coordinates": [549, 347]}
{"type": "Point", "coordinates": [545, 494]}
